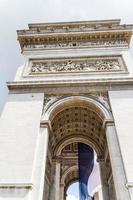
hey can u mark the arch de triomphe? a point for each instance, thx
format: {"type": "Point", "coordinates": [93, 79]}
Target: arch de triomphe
{"type": "Point", "coordinates": [76, 85]}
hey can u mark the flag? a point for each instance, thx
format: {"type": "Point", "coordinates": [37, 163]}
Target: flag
{"type": "Point", "coordinates": [86, 164]}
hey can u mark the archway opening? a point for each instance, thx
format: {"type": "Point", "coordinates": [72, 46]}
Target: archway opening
{"type": "Point", "coordinates": [72, 192]}
{"type": "Point", "coordinates": [76, 121]}
{"type": "Point", "coordinates": [73, 174]}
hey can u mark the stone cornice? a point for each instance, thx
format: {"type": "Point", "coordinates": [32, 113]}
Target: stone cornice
{"type": "Point", "coordinates": [93, 84]}
{"type": "Point", "coordinates": [120, 28]}
{"type": "Point", "coordinates": [81, 32]}
{"type": "Point", "coordinates": [16, 185]}
{"type": "Point", "coordinates": [88, 36]}
{"type": "Point", "coordinates": [76, 23]}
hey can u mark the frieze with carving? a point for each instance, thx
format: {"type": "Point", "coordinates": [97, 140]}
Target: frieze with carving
{"type": "Point", "coordinates": [83, 65]}
{"type": "Point", "coordinates": [59, 35]}
{"type": "Point", "coordinates": [97, 44]}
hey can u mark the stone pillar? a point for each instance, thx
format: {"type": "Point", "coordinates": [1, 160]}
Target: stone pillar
{"type": "Point", "coordinates": [57, 180]}
{"type": "Point", "coordinates": [65, 196]}
{"type": "Point", "coordinates": [61, 191]}
{"type": "Point", "coordinates": [112, 193]}
{"type": "Point", "coordinates": [53, 186]}
{"type": "Point", "coordinates": [105, 189]}
{"type": "Point", "coordinates": [19, 137]}
{"type": "Point", "coordinates": [40, 163]}
{"type": "Point", "coordinates": [96, 197]}
{"type": "Point", "coordinates": [119, 177]}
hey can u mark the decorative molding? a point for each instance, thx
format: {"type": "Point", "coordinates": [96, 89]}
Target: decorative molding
{"type": "Point", "coordinates": [93, 31]}
{"type": "Point", "coordinates": [72, 27]}
{"type": "Point", "coordinates": [93, 44]}
{"type": "Point", "coordinates": [86, 64]}
{"type": "Point", "coordinates": [102, 97]}
{"type": "Point", "coordinates": [129, 185]}
{"type": "Point", "coordinates": [49, 100]}
{"type": "Point", "coordinates": [75, 87]}
{"type": "Point", "coordinates": [16, 185]}
{"type": "Point", "coordinates": [81, 38]}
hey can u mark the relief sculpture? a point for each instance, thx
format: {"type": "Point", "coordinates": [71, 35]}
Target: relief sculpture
{"type": "Point", "coordinates": [79, 44]}
{"type": "Point", "coordinates": [75, 66]}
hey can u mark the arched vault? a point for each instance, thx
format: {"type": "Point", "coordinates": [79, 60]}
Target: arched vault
{"type": "Point", "coordinates": [77, 119]}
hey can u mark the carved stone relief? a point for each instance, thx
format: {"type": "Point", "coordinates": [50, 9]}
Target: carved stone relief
{"type": "Point", "coordinates": [100, 64]}
{"type": "Point", "coordinates": [102, 97]}
{"type": "Point", "coordinates": [78, 44]}
{"type": "Point", "coordinates": [49, 100]}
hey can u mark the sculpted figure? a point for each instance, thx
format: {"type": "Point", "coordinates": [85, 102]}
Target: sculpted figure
{"type": "Point", "coordinates": [81, 65]}
{"type": "Point", "coordinates": [70, 65]}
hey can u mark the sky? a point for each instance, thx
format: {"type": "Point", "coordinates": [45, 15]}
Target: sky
{"type": "Point", "coordinates": [73, 192]}
{"type": "Point", "coordinates": [16, 14]}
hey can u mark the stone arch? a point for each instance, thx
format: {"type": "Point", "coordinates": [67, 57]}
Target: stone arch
{"type": "Point", "coordinates": [69, 172]}
{"type": "Point", "coordinates": [76, 119]}
{"type": "Point", "coordinates": [84, 105]}
{"type": "Point", "coordinates": [69, 177]}
{"type": "Point", "coordinates": [64, 102]}
{"type": "Point", "coordinates": [77, 139]}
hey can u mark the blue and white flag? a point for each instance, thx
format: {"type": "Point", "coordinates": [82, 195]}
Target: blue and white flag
{"type": "Point", "coordinates": [86, 164]}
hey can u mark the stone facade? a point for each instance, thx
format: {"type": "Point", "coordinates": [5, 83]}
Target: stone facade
{"type": "Point", "coordinates": [76, 85]}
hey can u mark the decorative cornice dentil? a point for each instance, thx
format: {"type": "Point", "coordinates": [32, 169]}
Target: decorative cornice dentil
{"type": "Point", "coordinates": [76, 32]}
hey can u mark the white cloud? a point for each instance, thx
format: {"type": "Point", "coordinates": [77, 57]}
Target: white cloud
{"type": "Point", "coordinates": [71, 197]}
